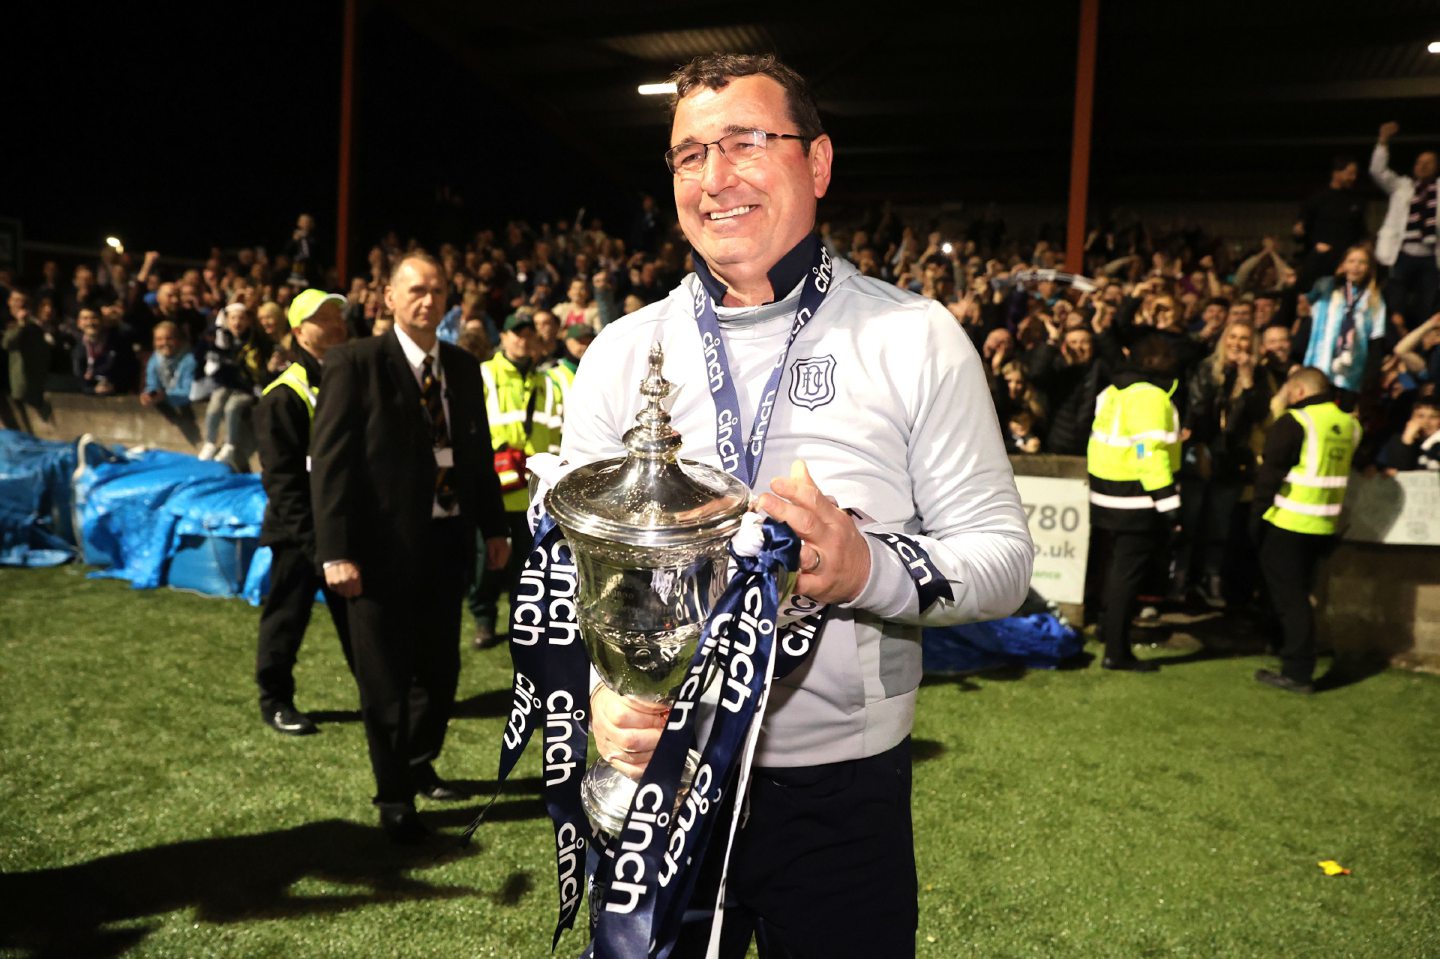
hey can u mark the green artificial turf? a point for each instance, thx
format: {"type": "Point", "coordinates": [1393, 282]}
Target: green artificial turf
{"type": "Point", "coordinates": [144, 809]}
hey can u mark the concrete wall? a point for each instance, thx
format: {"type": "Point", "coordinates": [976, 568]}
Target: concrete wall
{"type": "Point", "coordinates": [113, 420]}
{"type": "Point", "coordinates": [1379, 599]}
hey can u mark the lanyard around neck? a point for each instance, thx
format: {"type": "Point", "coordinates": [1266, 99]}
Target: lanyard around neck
{"type": "Point", "coordinates": [743, 462]}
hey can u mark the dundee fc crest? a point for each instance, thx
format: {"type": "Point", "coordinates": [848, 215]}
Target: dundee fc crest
{"type": "Point", "coordinates": [812, 381]}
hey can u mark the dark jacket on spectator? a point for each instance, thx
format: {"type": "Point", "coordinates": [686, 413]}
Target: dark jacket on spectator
{"type": "Point", "coordinates": [110, 360]}
{"type": "Point", "coordinates": [29, 362]}
{"type": "Point", "coordinates": [1400, 455]}
{"type": "Point", "coordinates": [1222, 423]}
{"type": "Point", "coordinates": [238, 363]}
{"type": "Point", "coordinates": [1071, 389]}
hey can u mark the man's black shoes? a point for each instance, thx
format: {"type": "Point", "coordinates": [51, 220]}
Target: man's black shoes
{"type": "Point", "coordinates": [402, 824]}
{"type": "Point", "coordinates": [289, 720]}
{"type": "Point", "coordinates": [486, 637]}
{"type": "Point", "coordinates": [1271, 678]}
{"type": "Point", "coordinates": [1131, 665]}
{"type": "Point", "coordinates": [431, 786]}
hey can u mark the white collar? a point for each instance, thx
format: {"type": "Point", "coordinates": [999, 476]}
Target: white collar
{"type": "Point", "coordinates": [414, 355]}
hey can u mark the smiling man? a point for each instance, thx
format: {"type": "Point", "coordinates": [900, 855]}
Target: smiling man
{"type": "Point", "coordinates": [816, 387]}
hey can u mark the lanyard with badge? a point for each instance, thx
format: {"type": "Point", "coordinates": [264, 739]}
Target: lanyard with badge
{"type": "Point", "coordinates": [744, 462]}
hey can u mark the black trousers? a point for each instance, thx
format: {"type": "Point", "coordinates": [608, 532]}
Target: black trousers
{"type": "Point", "coordinates": [1413, 289]}
{"type": "Point", "coordinates": [490, 584]}
{"type": "Point", "coordinates": [1133, 557]}
{"type": "Point", "coordinates": [284, 619]}
{"type": "Point", "coordinates": [1288, 561]}
{"type": "Point", "coordinates": [407, 658]}
{"type": "Point", "coordinates": [823, 867]}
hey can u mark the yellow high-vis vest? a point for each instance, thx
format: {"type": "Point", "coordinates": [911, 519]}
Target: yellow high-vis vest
{"type": "Point", "coordinates": [564, 378]}
{"type": "Point", "coordinates": [295, 377]}
{"type": "Point", "coordinates": [1310, 499]}
{"type": "Point", "coordinates": [1134, 450]}
{"type": "Point", "coordinates": [508, 407]}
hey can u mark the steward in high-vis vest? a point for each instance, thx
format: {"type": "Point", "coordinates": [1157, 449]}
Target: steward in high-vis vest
{"type": "Point", "coordinates": [1299, 491]}
{"type": "Point", "coordinates": [1132, 459]}
{"type": "Point", "coordinates": [523, 406]}
{"type": "Point", "coordinates": [283, 417]}
{"type": "Point", "coordinates": [576, 341]}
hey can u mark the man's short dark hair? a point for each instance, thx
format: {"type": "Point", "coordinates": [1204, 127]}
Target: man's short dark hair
{"type": "Point", "coordinates": [420, 255]}
{"type": "Point", "coordinates": [1270, 295]}
{"type": "Point", "coordinates": [1430, 402]}
{"type": "Point", "coordinates": [1155, 354]}
{"type": "Point", "coordinates": [1219, 301]}
{"type": "Point", "coordinates": [1314, 381]}
{"type": "Point", "coordinates": [714, 71]}
{"type": "Point", "coordinates": [1341, 161]}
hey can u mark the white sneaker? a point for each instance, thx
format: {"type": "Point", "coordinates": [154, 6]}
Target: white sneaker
{"type": "Point", "coordinates": [207, 452]}
{"type": "Point", "coordinates": [226, 455]}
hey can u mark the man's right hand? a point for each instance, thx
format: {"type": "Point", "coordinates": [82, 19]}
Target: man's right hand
{"type": "Point", "coordinates": [343, 578]}
{"type": "Point", "coordinates": [626, 730]}
{"type": "Point", "coordinates": [1387, 130]}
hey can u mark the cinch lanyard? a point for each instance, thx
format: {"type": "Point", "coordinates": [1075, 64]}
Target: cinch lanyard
{"type": "Point", "coordinates": [744, 463]}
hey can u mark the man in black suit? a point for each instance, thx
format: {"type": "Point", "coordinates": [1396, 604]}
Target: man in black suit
{"type": "Point", "coordinates": [403, 473]}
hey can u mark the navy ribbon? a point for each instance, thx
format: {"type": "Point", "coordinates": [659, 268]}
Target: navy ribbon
{"type": "Point", "coordinates": [649, 872]}
{"type": "Point", "coordinates": [744, 462]}
{"type": "Point", "coordinates": [550, 687]}
{"type": "Point", "coordinates": [930, 585]}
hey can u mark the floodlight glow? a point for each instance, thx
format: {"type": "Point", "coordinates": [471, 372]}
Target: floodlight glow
{"type": "Point", "coordinates": [114, 243]}
{"type": "Point", "coordinates": [655, 89]}
{"type": "Point", "coordinates": [1434, 46]}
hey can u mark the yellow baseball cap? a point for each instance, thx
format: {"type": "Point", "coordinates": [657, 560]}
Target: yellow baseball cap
{"type": "Point", "coordinates": [305, 304]}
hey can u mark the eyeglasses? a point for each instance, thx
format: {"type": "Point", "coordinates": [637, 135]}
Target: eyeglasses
{"type": "Point", "coordinates": [741, 148]}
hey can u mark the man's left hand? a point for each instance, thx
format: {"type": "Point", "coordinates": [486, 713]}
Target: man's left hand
{"type": "Point", "coordinates": [834, 557]}
{"type": "Point", "coordinates": [497, 552]}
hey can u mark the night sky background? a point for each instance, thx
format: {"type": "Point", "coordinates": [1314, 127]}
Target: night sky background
{"type": "Point", "coordinates": [178, 129]}
{"type": "Point", "coordinates": [182, 126]}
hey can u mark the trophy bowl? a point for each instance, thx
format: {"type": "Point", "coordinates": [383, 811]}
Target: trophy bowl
{"type": "Point", "coordinates": [649, 533]}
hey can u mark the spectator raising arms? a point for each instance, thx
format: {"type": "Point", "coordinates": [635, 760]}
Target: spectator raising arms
{"type": "Point", "coordinates": [1407, 239]}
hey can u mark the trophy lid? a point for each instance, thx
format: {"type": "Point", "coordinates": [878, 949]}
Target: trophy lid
{"type": "Point", "coordinates": [650, 497]}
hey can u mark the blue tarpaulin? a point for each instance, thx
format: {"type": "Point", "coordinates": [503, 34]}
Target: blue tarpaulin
{"type": "Point", "coordinates": [25, 539]}
{"type": "Point", "coordinates": [257, 581]}
{"type": "Point", "coordinates": [123, 523]}
{"type": "Point", "coordinates": [150, 516]}
{"type": "Point", "coordinates": [36, 527]}
{"type": "Point", "coordinates": [1037, 641]}
{"type": "Point", "coordinates": [216, 523]}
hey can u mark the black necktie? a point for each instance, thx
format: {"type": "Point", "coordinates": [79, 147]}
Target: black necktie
{"type": "Point", "coordinates": [434, 405]}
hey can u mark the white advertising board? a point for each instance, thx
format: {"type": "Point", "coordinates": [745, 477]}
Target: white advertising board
{"type": "Point", "coordinates": [1059, 514]}
{"type": "Point", "coordinates": [1401, 511]}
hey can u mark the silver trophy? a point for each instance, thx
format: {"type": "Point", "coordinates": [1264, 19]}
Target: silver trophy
{"type": "Point", "coordinates": [649, 533]}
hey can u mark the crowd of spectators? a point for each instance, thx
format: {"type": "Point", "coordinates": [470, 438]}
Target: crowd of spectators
{"type": "Point", "coordinates": [1361, 307]}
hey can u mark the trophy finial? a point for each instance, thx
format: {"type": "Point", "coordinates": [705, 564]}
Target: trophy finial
{"type": "Point", "coordinates": [652, 434]}
{"type": "Point", "coordinates": [655, 386]}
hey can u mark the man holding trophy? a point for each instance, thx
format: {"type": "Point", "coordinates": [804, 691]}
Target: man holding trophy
{"type": "Point", "coordinates": [858, 415]}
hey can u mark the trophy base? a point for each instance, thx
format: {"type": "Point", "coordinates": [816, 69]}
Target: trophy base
{"type": "Point", "coordinates": [606, 793]}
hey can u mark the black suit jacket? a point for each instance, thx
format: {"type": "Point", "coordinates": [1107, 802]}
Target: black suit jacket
{"type": "Point", "coordinates": [373, 466]}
